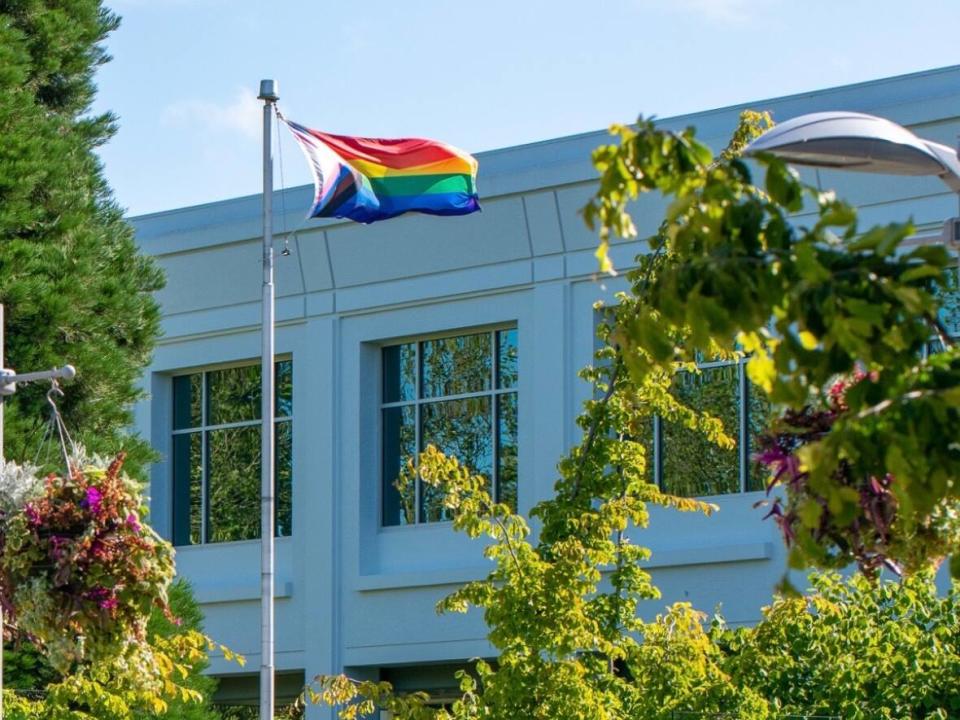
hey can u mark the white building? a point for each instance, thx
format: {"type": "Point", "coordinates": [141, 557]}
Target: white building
{"type": "Point", "coordinates": [358, 570]}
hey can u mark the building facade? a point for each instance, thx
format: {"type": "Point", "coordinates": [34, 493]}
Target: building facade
{"type": "Point", "coordinates": [464, 332]}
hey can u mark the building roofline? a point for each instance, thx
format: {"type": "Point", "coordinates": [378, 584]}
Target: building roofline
{"type": "Point", "coordinates": [575, 165]}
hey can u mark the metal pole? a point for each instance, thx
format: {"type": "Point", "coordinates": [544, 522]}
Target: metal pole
{"type": "Point", "coordinates": [8, 386]}
{"type": "Point", "coordinates": [1, 460]}
{"type": "Point", "coordinates": [268, 93]}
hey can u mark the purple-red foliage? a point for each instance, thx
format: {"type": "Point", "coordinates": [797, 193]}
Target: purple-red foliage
{"type": "Point", "coordinates": [84, 541]}
{"type": "Point", "coordinates": [864, 536]}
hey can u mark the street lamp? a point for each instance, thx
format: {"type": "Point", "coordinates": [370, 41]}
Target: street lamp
{"type": "Point", "coordinates": [861, 143]}
{"type": "Point", "coordinates": [858, 142]}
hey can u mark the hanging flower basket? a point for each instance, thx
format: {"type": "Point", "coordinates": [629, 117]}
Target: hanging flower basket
{"type": "Point", "coordinates": [79, 570]}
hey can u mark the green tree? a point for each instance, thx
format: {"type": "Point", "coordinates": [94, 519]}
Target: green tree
{"type": "Point", "coordinates": [563, 609]}
{"type": "Point", "coordinates": [728, 274]}
{"type": "Point", "coordinates": [29, 675]}
{"type": "Point", "coordinates": [73, 285]}
{"type": "Point", "coordinates": [854, 649]}
{"type": "Point", "coordinates": [812, 304]}
{"type": "Point", "coordinates": [189, 618]}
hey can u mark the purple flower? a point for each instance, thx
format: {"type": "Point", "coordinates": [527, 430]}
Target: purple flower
{"type": "Point", "coordinates": [109, 604]}
{"type": "Point", "coordinates": [133, 522]}
{"type": "Point", "coordinates": [92, 500]}
{"type": "Point", "coordinates": [57, 543]}
{"type": "Point", "coordinates": [105, 598]}
{"type": "Point", "coordinates": [97, 549]}
{"type": "Point", "coordinates": [98, 593]}
{"type": "Point", "coordinates": [33, 517]}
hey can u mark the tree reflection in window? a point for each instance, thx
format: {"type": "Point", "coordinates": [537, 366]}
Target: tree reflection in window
{"type": "Point", "coordinates": [216, 454]}
{"type": "Point", "coordinates": [459, 394]}
{"type": "Point", "coordinates": [686, 463]}
{"type": "Point", "coordinates": [948, 295]}
{"type": "Point", "coordinates": [692, 465]}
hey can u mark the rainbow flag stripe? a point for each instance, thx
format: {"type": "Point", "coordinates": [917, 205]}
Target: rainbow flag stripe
{"type": "Point", "coordinates": [367, 179]}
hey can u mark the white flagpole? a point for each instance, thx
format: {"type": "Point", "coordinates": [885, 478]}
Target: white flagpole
{"type": "Point", "coordinates": [268, 93]}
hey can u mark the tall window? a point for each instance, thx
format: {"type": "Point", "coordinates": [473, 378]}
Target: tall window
{"type": "Point", "coordinates": [216, 454]}
{"type": "Point", "coordinates": [459, 394]}
{"type": "Point", "coordinates": [686, 463]}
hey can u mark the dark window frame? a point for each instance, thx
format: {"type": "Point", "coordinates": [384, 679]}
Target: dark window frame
{"type": "Point", "coordinates": [181, 518]}
{"type": "Point", "coordinates": [494, 395]}
{"type": "Point", "coordinates": [746, 483]}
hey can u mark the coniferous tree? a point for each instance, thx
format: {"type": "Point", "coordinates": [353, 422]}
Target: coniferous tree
{"type": "Point", "coordinates": [74, 287]}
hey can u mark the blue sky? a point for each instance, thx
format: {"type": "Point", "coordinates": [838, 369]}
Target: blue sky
{"type": "Point", "coordinates": [479, 75]}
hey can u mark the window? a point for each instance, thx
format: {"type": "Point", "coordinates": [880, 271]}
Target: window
{"type": "Point", "coordinates": [948, 295]}
{"type": "Point", "coordinates": [684, 462]}
{"type": "Point", "coordinates": [438, 681]}
{"type": "Point", "coordinates": [216, 454]}
{"type": "Point", "coordinates": [459, 394]}
{"type": "Point", "coordinates": [237, 697]}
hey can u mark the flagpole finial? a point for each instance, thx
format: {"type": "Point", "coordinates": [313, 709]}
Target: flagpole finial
{"type": "Point", "coordinates": [268, 91]}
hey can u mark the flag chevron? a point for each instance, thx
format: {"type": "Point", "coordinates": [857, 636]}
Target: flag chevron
{"type": "Point", "coordinates": [368, 179]}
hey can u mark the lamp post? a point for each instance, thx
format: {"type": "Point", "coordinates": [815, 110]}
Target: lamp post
{"type": "Point", "coordinates": [8, 386]}
{"type": "Point", "coordinates": [862, 143]}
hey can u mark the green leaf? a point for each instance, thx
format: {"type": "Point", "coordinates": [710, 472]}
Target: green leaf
{"type": "Point", "coordinates": [837, 214]}
{"type": "Point", "coordinates": [810, 513]}
{"type": "Point", "coordinates": [809, 266]}
{"type": "Point", "coordinates": [883, 239]}
{"type": "Point", "coordinates": [921, 272]}
{"type": "Point", "coordinates": [783, 186]}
